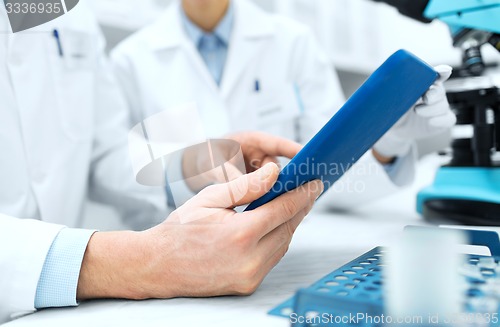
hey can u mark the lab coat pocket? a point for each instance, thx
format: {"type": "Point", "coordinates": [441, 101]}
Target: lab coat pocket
{"type": "Point", "coordinates": [73, 60]}
{"type": "Point", "coordinates": [276, 108]}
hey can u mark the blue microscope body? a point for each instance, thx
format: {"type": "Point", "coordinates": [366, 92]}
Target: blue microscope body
{"type": "Point", "coordinates": [467, 190]}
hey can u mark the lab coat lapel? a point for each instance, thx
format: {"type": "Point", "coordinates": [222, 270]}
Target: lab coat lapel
{"type": "Point", "coordinates": [199, 65]}
{"type": "Point", "coordinates": [251, 29]}
{"type": "Point", "coordinates": [169, 34]}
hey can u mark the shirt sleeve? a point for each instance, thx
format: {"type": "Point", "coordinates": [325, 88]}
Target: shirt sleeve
{"type": "Point", "coordinates": [112, 178]}
{"type": "Point", "coordinates": [402, 170]}
{"type": "Point", "coordinates": [393, 167]}
{"type": "Point", "coordinates": [58, 281]}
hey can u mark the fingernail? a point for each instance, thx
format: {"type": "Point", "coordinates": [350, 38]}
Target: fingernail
{"type": "Point", "coordinates": [267, 171]}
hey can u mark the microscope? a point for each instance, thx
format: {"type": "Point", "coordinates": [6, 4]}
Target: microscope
{"type": "Point", "coordinates": [467, 189]}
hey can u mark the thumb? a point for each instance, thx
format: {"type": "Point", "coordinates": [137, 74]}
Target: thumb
{"type": "Point", "coordinates": [242, 190]}
{"type": "Point", "coordinates": [444, 72]}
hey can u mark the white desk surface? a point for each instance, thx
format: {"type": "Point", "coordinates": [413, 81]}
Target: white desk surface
{"type": "Point", "coordinates": [324, 242]}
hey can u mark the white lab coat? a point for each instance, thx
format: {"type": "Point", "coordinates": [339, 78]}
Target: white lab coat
{"type": "Point", "coordinates": [159, 69]}
{"type": "Point", "coordinates": [62, 132]}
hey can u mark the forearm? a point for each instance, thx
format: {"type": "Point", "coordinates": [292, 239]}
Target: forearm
{"type": "Point", "coordinates": [114, 266]}
{"type": "Point", "coordinates": [203, 249]}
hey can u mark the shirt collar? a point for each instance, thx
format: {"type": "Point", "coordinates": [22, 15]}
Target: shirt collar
{"type": "Point", "coordinates": [222, 31]}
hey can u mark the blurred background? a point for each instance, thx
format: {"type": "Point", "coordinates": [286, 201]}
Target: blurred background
{"type": "Point", "coordinates": [358, 35]}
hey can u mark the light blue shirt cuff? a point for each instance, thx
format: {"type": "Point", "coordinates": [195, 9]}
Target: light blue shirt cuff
{"type": "Point", "coordinates": [58, 281]}
{"type": "Point", "coordinates": [393, 168]}
{"type": "Point", "coordinates": [402, 171]}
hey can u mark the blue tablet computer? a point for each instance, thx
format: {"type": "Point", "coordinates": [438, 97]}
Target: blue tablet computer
{"type": "Point", "coordinates": [375, 107]}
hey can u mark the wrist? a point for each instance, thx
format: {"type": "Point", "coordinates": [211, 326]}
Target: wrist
{"type": "Point", "coordinates": [114, 266]}
{"type": "Point", "coordinates": [391, 146]}
{"type": "Point", "coordinates": [384, 160]}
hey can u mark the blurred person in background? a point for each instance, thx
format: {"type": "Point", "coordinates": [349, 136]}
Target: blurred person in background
{"type": "Point", "coordinates": [63, 136]}
{"type": "Point", "coordinates": [250, 70]}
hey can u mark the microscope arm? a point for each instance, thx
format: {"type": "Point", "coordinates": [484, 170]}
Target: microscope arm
{"type": "Point", "coordinates": [412, 8]}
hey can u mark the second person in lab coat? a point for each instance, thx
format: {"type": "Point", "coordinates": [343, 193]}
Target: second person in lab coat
{"type": "Point", "coordinates": [250, 70]}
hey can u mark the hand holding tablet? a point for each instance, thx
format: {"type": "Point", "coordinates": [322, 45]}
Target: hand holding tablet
{"type": "Point", "coordinates": [375, 107]}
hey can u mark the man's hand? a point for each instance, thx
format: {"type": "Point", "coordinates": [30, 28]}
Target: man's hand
{"type": "Point", "coordinates": [430, 116]}
{"type": "Point", "coordinates": [261, 148]}
{"type": "Point", "coordinates": [257, 149]}
{"type": "Point", "coordinates": [204, 248]}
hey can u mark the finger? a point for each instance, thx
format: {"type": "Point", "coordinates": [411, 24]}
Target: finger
{"type": "Point", "coordinates": [257, 163]}
{"type": "Point", "coordinates": [282, 235]}
{"type": "Point", "coordinates": [436, 109]}
{"type": "Point", "coordinates": [240, 191]}
{"type": "Point", "coordinates": [229, 156]}
{"type": "Point", "coordinates": [265, 219]}
{"type": "Point", "coordinates": [444, 72]}
{"type": "Point", "coordinates": [275, 257]}
{"type": "Point", "coordinates": [223, 174]}
{"type": "Point", "coordinates": [275, 146]}
{"type": "Point", "coordinates": [231, 172]}
{"type": "Point", "coordinates": [271, 160]}
{"type": "Point", "coordinates": [272, 261]}
{"type": "Point", "coordinates": [436, 93]}
{"type": "Point", "coordinates": [444, 121]}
